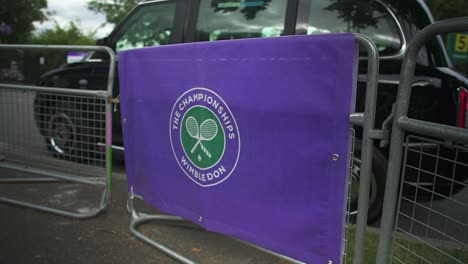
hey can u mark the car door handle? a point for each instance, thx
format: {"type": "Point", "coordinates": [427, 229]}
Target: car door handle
{"type": "Point", "coordinates": [421, 83]}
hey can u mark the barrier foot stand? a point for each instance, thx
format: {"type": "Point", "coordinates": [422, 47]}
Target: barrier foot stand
{"type": "Point", "coordinates": [138, 219]}
{"type": "Point", "coordinates": [52, 178]}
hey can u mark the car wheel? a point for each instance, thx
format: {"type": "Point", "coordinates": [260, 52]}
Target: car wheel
{"type": "Point", "coordinates": [64, 130]}
{"type": "Point", "coordinates": [377, 184]}
{"type": "Point", "coordinates": [70, 135]}
{"type": "Point", "coordinates": [62, 135]}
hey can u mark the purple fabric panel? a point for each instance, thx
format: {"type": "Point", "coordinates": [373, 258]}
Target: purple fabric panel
{"type": "Point", "coordinates": [290, 98]}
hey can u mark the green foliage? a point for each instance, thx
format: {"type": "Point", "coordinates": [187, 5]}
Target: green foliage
{"type": "Point", "coordinates": [443, 9]}
{"type": "Point", "coordinates": [355, 13]}
{"type": "Point", "coordinates": [114, 10]}
{"type": "Point", "coordinates": [20, 15]}
{"type": "Point", "coordinates": [70, 35]}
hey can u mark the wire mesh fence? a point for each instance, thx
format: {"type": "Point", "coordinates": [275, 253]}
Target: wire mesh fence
{"type": "Point", "coordinates": [58, 141]}
{"type": "Point", "coordinates": [55, 138]}
{"type": "Point", "coordinates": [59, 132]}
{"type": "Point", "coordinates": [432, 220]}
{"type": "Point", "coordinates": [350, 199]}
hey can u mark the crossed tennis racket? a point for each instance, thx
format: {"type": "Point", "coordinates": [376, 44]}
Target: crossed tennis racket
{"type": "Point", "coordinates": [207, 131]}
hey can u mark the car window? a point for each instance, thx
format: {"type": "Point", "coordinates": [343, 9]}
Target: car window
{"type": "Point", "coordinates": [370, 19]}
{"type": "Point", "coordinates": [149, 26]}
{"type": "Point", "coordinates": [231, 19]}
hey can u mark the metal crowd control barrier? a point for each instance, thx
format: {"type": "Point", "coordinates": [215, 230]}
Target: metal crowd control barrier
{"type": "Point", "coordinates": [54, 135]}
{"type": "Point", "coordinates": [436, 235]}
{"type": "Point", "coordinates": [366, 120]}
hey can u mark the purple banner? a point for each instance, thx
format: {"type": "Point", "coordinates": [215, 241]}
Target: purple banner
{"type": "Point", "coordinates": [248, 138]}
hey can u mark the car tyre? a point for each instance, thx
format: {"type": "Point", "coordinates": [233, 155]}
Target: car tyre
{"type": "Point", "coordinates": [69, 135]}
{"type": "Point", "coordinates": [377, 183]}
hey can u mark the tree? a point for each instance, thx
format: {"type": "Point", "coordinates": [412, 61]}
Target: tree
{"type": "Point", "coordinates": [17, 18]}
{"type": "Point", "coordinates": [34, 63]}
{"type": "Point", "coordinates": [69, 35]}
{"type": "Point", "coordinates": [443, 9]}
{"type": "Point", "coordinates": [114, 10]}
{"type": "Point", "coordinates": [355, 13]}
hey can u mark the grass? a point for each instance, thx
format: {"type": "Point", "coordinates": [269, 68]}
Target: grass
{"type": "Point", "coordinates": [408, 250]}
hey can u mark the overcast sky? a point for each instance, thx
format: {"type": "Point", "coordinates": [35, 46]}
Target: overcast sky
{"type": "Point", "coordinates": [70, 10]}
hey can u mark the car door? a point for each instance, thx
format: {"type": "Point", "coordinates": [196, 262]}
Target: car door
{"type": "Point", "coordinates": [148, 24]}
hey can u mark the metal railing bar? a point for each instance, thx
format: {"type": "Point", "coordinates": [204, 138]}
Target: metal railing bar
{"type": "Point", "coordinates": [367, 145]}
{"type": "Point", "coordinates": [30, 180]}
{"type": "Point", "coordinates": [56, 175]}
{"type": "Point", "coordinates": [357, 119]}
{"type": "Point", "coordinates": [432, 129]}
{"type": "Point", "coordinates": [55, 90]}
{"type": "Point", "coordinates": [399, 124]}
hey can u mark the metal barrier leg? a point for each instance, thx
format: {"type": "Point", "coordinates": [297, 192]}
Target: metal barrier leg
{"type": "Point", "coordinates": [137, 219]}
{"type": "Point", "coordinates": [51, 175]}
{"type": "Point", "coordinates": [103, 206]}
{"type": "Point", "coordinates": [367, 147]}
{"type": "Point", "coordinates": [53, 178]}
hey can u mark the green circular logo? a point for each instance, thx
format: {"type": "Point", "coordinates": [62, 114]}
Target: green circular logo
{"type": "Point", "coordinates": [202, 137]}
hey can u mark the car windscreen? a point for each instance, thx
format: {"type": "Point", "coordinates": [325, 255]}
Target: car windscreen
{"type": "Point", "coordinates": [231, 19]}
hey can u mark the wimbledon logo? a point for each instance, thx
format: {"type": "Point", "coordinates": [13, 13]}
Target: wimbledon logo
{"type": "Point", "coordinates": [204, 137]}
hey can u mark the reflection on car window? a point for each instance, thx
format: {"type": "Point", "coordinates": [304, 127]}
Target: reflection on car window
{"type": "Point", "coordinates": [234, 19]}
{"type": "Point", "coordinates": [371, 19]}
{"type": "Point", "coordinates": [150, 27]}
